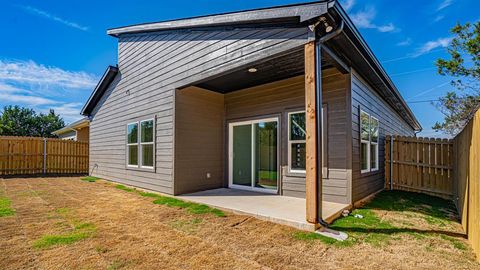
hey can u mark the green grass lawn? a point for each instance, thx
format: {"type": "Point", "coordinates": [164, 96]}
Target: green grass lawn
{"type": "Point", "coordinates": [393, 214]}
{"type": "Point", "coordinates": [90, 178]}
{"type": "Point", "coordinates": [6, 206]}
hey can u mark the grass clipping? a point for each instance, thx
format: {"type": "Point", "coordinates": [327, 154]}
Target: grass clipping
{"type": "Point", "coordinates": [191, 207]}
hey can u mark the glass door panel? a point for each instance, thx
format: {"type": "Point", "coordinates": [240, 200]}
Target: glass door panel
{"type": "Point", "coordinates": [242, 155]}
{"type": "Point", "coordinates": [265, 155]}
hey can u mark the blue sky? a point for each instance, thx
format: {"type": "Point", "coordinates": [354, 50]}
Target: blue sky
{"type": "Point", "coordinates": [52, 53]}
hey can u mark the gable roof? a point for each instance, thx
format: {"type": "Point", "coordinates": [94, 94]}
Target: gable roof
{"type": "Point", "coordinates": [101, 87]}
{"type": "Point", "coordinates": [351, 43]}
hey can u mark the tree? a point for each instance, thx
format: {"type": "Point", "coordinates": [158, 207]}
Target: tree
{"type": "Point", "coordinates": [464, 64]}
{"type": "Point", "coordinates": [19, 121]}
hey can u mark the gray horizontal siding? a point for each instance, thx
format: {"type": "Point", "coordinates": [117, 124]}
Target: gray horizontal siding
{"type": "Point", "coordinates": [336, 181]}
{"type": "Point", "coordinates": [364, 97]}
{"type": "Point", "coordinates": [152, 66]}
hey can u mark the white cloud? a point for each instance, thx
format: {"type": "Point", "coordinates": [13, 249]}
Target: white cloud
{"type": "Point", "coordinates": [444, 4]}
{"type": "Point", "coordinates": [405, 42]}
{"type": "Point", "coordinates": [386, 28]}
{"type": "Point", "coordinates": [52, 17]}
{"type": "Point", "coordinates": [42, 88]}
{"type": "Point", "coordinates": [348, 4]}
{"type": "Point", "coordinates": [438, 18]}
{"type": "Point", "coordinates": [27, 99]}
{"type": "Point", "coordinates": [69, 111]}
{"type": "Point", "coordinates": [29, 72]}
{"type": "Point", "coordinates": [433, 44]}
{"type": "Point", "coordinates": [364, 19]}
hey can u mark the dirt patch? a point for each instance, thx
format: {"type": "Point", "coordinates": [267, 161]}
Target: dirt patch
{"type": "Point", "coordinates": [131, 232]}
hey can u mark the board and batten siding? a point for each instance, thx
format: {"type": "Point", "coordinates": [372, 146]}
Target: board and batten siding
{"type": "Point", "coordinates": [278, 99]}
{"type": "Point", "coordinates": [151, 67]}
{"type": "Point", "coordinates": [366, 99]}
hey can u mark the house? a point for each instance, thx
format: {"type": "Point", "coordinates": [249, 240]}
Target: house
{"type": "Point", "coordinates": [286, 100]}
{"type": "Point", "coordinates": [75, 131]}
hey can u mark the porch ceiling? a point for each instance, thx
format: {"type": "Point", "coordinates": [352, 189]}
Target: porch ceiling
{"type": "Point", "coordinates": [282, 67]}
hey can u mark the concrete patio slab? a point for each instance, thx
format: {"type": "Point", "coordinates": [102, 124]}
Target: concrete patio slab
{"type": "Point", "coordinates": [275, 208]}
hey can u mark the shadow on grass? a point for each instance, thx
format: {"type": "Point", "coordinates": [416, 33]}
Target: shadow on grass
{"type": "Point", "coordinates": [399, 230]}
{"type": "Point", "coordinates": [402, 201]}
{"type": "Point", "coordinates": [364, 226]}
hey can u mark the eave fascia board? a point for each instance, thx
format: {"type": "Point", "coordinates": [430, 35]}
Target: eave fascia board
{"type": "Point", "coordinates": [304, 12]}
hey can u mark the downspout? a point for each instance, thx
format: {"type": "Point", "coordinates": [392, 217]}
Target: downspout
{"type": "Point", "coordinates": [318, 113]}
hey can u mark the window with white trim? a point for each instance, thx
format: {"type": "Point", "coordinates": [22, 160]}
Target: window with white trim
{"type": "Point", "coordinates": [296, 142]}
{"type": "Point", "coordinates": [369, 130]}
{"type": "Point", "coordinates": [140, 144]}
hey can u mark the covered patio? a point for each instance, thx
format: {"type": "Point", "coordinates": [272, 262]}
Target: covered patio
{"type": "Point", "coordinates": [284, 210]}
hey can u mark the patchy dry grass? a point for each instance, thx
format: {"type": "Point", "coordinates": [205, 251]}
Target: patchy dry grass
{"type": "Point", "coordinates": [103, 226]}
{"type": "Point", "coordinates": [72, 229]}
{"type": "Point", "coordinates": [80, 232]}
{"type": "Point", "coordinates": [194, 208]}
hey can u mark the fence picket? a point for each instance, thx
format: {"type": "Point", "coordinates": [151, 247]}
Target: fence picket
{"type": "Point", "coordinates": [25, 155]}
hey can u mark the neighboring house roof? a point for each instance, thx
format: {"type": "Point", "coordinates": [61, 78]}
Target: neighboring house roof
{"type": "Point", "coordinates": [84, 122]}
{"type": "Point", "coordinates": [101, 87]}
{"type": "Point", "coordinates": [351, 43]}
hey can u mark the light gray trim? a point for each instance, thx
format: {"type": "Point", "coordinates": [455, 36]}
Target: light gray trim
{"type": "Point", "coordinates": [303, 11]}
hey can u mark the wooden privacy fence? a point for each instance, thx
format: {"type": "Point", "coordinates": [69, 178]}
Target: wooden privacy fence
{"type": "Point", "coordinates": [419, 164]}
{"type": "Point", "coordinates": [445, 168]}
{"type": "Point", "coordinates": [466, 176]}
{"type": "Point", "coordinates": [34, 155]}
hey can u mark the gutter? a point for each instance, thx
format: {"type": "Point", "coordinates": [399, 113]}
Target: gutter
{"type": "Point", "coordinates": [318, 112]}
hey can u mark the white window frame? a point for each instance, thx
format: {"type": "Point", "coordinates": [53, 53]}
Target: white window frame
{"type": "Point", "coordinates": [374, 143]}
{"type": "Point", "coordinates": [290, 142]}
{"type": "Point", "coordinates": [131, 144]}
{"type": "Point", "coordinates": [140, 149]}
{"type": "Point", "coordinates": [369, 143]}
{"type": "Point", "coordinates": [139, 144]}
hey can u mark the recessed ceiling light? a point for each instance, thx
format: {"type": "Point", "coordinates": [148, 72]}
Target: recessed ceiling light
{"type": "Point", "coordinates": [252, 70]}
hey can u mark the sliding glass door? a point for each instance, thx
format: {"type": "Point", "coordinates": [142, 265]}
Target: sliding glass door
{"type": "Point", "coordinates": [253, 155]}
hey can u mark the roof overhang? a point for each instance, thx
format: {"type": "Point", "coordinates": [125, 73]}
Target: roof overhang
{"type": "Point", "coordinates": [82, 123]}
{"type": "Point", "coordinates": [353, 47]}
{"type": "Point", "coordinates": [101, 87]}
{"type": "Point", "coordinates": [301, 12]}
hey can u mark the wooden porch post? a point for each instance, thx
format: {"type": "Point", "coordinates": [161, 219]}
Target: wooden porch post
{"type": "Point", "coordinates": [311, 138]}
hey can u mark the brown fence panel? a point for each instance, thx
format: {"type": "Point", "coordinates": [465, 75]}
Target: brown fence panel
{"type": "Point", "coordinates": [467, 180]}
{"type": "Point", "coordinates": [28, 155]}
{"type": "Point", "coordinates": [419, 165]}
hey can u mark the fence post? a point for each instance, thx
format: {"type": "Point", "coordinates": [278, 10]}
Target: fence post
{"type": "Point", "coordinates": [44, 155]}
{"type": "Point", "coordinates": [391, 162]}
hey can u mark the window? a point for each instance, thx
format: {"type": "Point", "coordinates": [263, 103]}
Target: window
{"type": "Point", "coordinates": [369, 128]}
{"type": "Point", "coordinates": [132, 144]}
{"type": "Point", "coordinates": [146, 143]}
{"type": "Point", "coordinates": [140, 144]}
{"type": "Point", "coordinates": [296, 142]}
